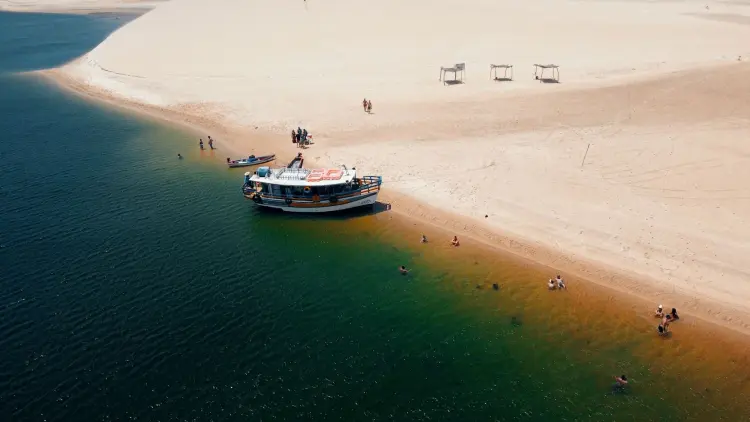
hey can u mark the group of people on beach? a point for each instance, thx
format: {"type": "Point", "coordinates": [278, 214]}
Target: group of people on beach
{"type": "Point", "coordinates": [210, 143]}
{"type": "Point", "coordinates": [666, 320]}
{"type": "Point", "coordinates": [454, 242]}
{"type": "Point", "coordinates": [301, 137]}
{"type": "Point", "coordinates": [557, 283]}
{"type": "Point", "coordinates": [367, 105]}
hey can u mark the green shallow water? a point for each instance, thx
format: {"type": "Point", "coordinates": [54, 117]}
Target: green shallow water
{"type": "Point", "coordinates": [136, 286]}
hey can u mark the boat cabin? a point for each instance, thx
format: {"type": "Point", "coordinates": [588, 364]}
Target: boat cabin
{"type": "Point", "coordinates": [302, 183]}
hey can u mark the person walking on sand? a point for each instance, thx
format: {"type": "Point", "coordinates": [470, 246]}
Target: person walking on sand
{"type": "Point", "coordinates": [364, 105]}
{"type": "Point", "coordinates": [369, 106]}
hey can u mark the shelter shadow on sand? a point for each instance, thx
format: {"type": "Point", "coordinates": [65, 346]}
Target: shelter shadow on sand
{"type": "Point", "coordinates": [453, 82]}
{"type": "Point", "coordinates": [503, 80]}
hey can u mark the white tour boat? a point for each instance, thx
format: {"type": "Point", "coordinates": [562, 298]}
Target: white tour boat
{"type": "Point", "coordinates": [311, 190]}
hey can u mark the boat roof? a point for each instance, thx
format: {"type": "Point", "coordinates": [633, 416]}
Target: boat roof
{"type": "Point", "coordinates": [299, 176]}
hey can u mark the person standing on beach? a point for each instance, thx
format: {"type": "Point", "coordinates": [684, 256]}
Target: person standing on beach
{"type": "Point", "coordinates": [369, 106]}
{"type": "Point", "coordinates": [364, 105]}
{"type": "Point", "coordinates": [200, 143]}
{"type": "Point", "coordinates": [210, 143]}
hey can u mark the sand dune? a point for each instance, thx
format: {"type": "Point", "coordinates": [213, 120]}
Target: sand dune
{"type": "Point", "coordinates": [657, 92]}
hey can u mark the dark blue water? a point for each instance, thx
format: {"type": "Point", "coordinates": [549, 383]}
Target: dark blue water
{"type": "Point", "coordinates": [136, 286]}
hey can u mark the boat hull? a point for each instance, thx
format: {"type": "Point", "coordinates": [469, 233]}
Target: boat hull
{"type": "Point", "coordinates": [260, 160]}
{"type": "Point", "coordinates": [322, 206]}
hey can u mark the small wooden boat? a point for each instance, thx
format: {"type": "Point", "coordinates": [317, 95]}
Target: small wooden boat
{"type": "Point", "coordinates": [250, 161]}
{"type": "Point", "coordinates": [296, 163]}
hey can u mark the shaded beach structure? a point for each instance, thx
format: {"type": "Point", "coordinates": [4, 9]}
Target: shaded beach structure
{"type": "Point", "coordinates": [456, 69]}
{"type": "Point", "coordinates": [539, 73]}
{"type": "Point", "coordinates": [505, 67]}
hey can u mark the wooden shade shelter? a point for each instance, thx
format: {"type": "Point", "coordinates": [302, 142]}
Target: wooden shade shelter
{"type": "Point", "coordinates": [539, 72]}
{"type": "Point", "coordinates": [456, 69]}
{"type": "Point", "coordinates": [505, 67]}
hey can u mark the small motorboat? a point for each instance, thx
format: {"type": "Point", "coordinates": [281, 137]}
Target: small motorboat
{"type": "Point", "coordinates": [250, 161]}
{"type": "Point", "coordinates": [297, 162]}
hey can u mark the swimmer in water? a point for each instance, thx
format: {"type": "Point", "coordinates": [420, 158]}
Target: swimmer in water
{"type": "Point", "coordinates": [620, 382]}
{"type": "Point", "coordinates": [424, 239]}
{"type": "Point", "coordinates": [560, 283]}
{"type": "Point", "coordinates": [179, 156]}
{"type": "Point", "coordinates": [402, 269]}
{"type": "Point", "coordinates": [455, 241]}
{"type": "Point", "coordinates": [674, 314]}
{"type": "Point", "coordinates": [659, 312]}
{"type": "Point", "coordinates": [551, 284]}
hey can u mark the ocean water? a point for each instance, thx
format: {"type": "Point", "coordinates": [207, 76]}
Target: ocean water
{"type": "Point", "coordinates": [136, 286]}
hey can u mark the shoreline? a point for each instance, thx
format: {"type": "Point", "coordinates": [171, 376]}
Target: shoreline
{"type": "Point", "coordinates": [82, 7]}
{"type": "Point", "coordinates": [417, 215]}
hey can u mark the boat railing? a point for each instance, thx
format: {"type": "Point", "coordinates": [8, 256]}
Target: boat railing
{"type": "Point", "coordinates": [290, 173]}
{"type": "Point", "coordinates": [364, 189]}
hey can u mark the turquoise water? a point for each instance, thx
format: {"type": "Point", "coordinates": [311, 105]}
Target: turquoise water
{"type": "Point", "coordinates": [136, 286]}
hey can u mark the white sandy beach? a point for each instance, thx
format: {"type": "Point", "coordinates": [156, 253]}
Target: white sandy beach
{"type": "Point", "coordinates": [657, 91]}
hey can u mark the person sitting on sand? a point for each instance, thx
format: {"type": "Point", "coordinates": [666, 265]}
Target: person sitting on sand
{"type": "Point", "coordinates": [424, 239]}
{"type": "Point", "coordinates": [674, 314]}
{"type": "Point", "coordinates": [560, 282]}
{"type": "Point", "coordinates": [402, 269]}
{"type": "Point", "coordinates": [455, 241]}
{"type": "Point", "coordinates": [659, 312]}
{"type": "Point", "coordinates": [551, 284]}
